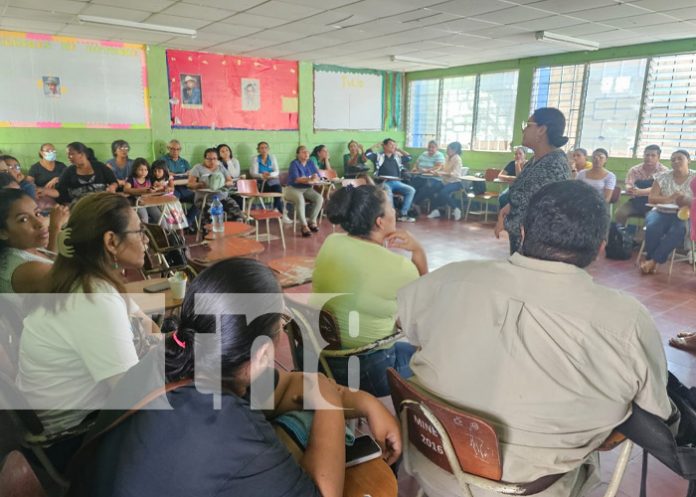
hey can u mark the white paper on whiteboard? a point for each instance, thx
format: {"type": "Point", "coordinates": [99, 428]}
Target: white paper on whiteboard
{"type": "Point", "coordinates": [344, 100]}
{"type": "Point", "coordinates": [98, 85]}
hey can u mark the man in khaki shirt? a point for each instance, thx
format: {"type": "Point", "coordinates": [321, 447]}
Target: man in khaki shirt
{"type": "Point", "coordinates": [533, 345]}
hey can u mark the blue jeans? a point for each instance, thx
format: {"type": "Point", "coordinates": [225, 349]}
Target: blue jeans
{"type": "Point", "coordinates": [406, 190]}
{"type": "Point", "coordinates": [663, 233]}
{"type": "Point", "coordinates": [373, 367]}
{"type": "Point", "coordinates": [444, 196]}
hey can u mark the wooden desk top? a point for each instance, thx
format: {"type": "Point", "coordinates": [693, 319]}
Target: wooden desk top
{"type": "Point", "coordinates": [374, 478]}
{"type": "Point", "coordinates": [293, 270]}
{"type": "Point", "coordinates": [472, 178]}
{"type": "Point", "coordinates": [156, 199]}
{"type": "Point", "coordinates": [152, 302]}
{"type": "Point", "coordinates": [224, 248]}
{"type": "Point", "coordinates": [232, 228]}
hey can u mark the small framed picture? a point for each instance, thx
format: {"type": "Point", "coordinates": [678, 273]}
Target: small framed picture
{"type": "Point", "coordinates": [191, 95]}
{"type": "Point", "coordinates": [51, 86]}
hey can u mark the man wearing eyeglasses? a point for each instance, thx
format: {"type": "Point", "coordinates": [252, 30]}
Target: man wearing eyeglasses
{"type": "Point", "coordinates": [179, 167]}
{"type": "Point", "coordinates": [10, 165]}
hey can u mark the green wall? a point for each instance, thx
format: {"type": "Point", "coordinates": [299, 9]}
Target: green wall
{"type": "Point", "coordinates": [482, 160]}
{"type": "Point", "coordinates": [24, 143]}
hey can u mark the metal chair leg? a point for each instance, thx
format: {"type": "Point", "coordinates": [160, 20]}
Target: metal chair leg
{"type": "Point", "coordinates": [282, 234]}
{"type": "Point", "coordinates": [268, 232]}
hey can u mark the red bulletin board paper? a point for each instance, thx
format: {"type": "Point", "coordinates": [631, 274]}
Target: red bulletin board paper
{"type": "Point", "coordinates": [228, 92]}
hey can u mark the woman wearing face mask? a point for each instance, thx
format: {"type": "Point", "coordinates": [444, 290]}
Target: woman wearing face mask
{"type": "Point", "coordinates": [45, 173]}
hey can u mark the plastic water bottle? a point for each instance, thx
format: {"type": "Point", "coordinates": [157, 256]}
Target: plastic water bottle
{"type": "Point", "coordinates": [216, 213]}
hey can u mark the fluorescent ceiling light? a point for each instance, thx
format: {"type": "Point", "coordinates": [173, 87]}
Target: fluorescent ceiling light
{"type": "Point", "coordinates": [424, 62]}
{"type": "Point", "coordinates": [568, 40]}
{"type": "Point", "coordinates": [137, 25]}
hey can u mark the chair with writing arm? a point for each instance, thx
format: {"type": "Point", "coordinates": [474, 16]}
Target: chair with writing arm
{"type": "Point", "coordinates": [465, 447]}
{"type": "Point", "coordinates": [317, 328]}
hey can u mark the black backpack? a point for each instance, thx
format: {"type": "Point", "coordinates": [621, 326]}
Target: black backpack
{"type": "Point", "coordinates": [620, 242]}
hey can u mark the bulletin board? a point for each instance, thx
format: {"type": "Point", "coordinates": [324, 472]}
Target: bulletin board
{"type": "Point", "coordinates": [64, 82]}
{"type": "Point", "coordinates": [215, 91]}
{"type": "Point", "coordinates": [347, 99]}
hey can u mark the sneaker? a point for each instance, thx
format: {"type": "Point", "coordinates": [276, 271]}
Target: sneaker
{"type": "Point", "coordinates": [435, 214]}
{"type": "Point", "coordinates": [406, 219]}
{"type": "Point", "coordinates": [457, 213]}
{"type": "Point", "coordinates": [286, 220]}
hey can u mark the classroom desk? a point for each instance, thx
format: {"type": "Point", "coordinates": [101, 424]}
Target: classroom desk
{"type": "Point", "coordinates": [374, 478]}
{"type": "Point", "coordinates": [232, 228]}
{"type": "Point", "coordinates": [151, 303]}
{"type": "Point", "coordinates": [156, 199]}
{"type": "Point", "coordinates": [212, 251]}
{"type": "Point", "coordinates": [471, 178]}
{"type": "Point", "coordinates": [293, 270]}
{"type": "Point", "coordinates": [181, 182]}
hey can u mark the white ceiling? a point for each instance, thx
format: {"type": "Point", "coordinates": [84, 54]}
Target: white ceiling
{"type": "Point", "coordinates": [365, 33]}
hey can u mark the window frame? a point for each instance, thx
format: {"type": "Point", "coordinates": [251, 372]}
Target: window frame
{"type": "Point", "coordinates": [438, 134]}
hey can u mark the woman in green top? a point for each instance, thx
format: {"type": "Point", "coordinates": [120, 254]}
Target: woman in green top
{"type": "Point", "coordinates": [355, 162]}
{"type": "Point", "coordinates": [320, 157]}
{"type": "Point", "coordinates": [361, 266]}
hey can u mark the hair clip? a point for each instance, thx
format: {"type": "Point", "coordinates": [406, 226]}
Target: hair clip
{"type": "Point", "coordinates": [65, 247]}
{"type": "Point", "coordinates": [178, 340]}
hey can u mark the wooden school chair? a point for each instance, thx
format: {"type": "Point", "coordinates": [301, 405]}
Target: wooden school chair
{"type": "Point", "coordinates": [464, 445]}
{"type": "Point", "coordinates": [249, 191]}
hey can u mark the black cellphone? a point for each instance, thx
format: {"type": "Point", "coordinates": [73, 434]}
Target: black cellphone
{"type": "Point", "coordinates": [363, 449]}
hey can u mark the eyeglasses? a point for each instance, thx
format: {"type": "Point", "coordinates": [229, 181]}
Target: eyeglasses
{"type": "Point", "coordinates": [16, 167]}
{"type": "Point", "coordinates": [142, 232]}
{"type": "Point", "coordinates": [526, 124]}
{"type": "Point", "coordinates": [211, 158]}
{"type": "Point", "coordinates": [124, 147]}
{"type": "Point", "coordinates": [175, 149]}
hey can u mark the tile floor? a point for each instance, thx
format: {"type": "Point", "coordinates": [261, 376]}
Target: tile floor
{"type": "Point", "coordinates": [672, 303]}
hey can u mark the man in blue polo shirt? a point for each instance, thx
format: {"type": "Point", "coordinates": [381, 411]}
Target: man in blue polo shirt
{"type": "Point", "coordinates": [179, 166]}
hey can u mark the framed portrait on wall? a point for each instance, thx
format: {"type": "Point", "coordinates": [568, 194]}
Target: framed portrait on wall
{"type": "Point", "coordinates": [191, 94]}
{"type": "Point", "coordinates": [251, 94]}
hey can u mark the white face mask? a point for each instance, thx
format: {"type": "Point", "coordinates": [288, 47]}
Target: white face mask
{"type": "Point", "coordinates": [50, 156]}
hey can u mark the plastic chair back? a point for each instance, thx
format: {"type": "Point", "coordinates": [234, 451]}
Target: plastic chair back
{"type": "Point", "coordinates": [247, 187]}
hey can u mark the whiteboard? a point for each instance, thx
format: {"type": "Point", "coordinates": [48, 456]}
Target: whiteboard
{"type": "Point", "coordinates": [69, 82]}
{"type": "Point", "coordinates": [347, 100]}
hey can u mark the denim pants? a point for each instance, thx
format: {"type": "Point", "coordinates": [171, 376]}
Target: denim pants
{"type": "Point", "coordinates": [406, 190]}
{"type": "Point", "coordinates": [663, 233]}
{"type": "Point", "coordinates": [444, 196]}
{"type": "Point", "coordinates": [373, 367]}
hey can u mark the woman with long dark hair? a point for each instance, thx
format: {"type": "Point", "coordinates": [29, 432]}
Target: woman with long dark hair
{"type": "Point", "coordinates": [224, 343]}
{"type": "Point", "coordinates": [85, 175]}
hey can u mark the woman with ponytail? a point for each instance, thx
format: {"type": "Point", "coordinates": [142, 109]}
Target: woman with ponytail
{"type": "Point", "coordinates": [201, 443]}
{"type": "Point", "coordinates": [78, 341]}
{"type": "Point", "coordinates": [360, 266]}
{"type": "Point", "coordinates": [543, 133]}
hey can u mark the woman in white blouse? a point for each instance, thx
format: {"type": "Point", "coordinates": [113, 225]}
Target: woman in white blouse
{"type": "Point", "coordinates": [597, 176]}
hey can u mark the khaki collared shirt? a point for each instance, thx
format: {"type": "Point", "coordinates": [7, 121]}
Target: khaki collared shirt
{"type": "Point", "coordinates": [551, 358]}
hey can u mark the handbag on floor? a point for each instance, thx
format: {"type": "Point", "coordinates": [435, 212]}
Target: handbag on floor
{"type": "Point", "coordinates": [620, 242]}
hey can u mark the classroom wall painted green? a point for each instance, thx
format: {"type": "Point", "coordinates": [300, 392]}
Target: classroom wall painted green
{"type": "Point", "coordinates": [24, 143]}
{"type": "Point", "coordinates": [483, 160]}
